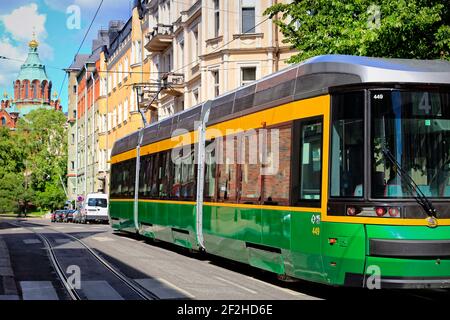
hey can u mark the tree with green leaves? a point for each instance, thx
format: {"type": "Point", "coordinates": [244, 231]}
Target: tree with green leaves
{"type": "Point", "coordinates": [414, 29]}
{"type": "Point", "coordinates": [42, 135]}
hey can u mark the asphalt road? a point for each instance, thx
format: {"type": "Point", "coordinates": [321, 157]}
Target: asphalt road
{"type": "Point", "coordinates": [163, 271]}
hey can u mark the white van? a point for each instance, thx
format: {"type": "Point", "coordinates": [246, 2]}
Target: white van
{"type": "Point", "coordinates": [95, 208]}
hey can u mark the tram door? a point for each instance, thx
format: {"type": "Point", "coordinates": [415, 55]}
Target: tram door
{"type": "Point", "coordinates": [307, 164]}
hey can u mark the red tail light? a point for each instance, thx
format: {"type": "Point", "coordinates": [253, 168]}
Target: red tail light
{"type": "Point", "coordinates": [394, 212]}
{"type": "Point", "coordinates": [380, 211]}
{"type": "Point", "coordinates": [351, 211]}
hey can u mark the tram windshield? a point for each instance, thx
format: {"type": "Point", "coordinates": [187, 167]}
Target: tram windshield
{"type": "Point", "coordinates": [415, 127]}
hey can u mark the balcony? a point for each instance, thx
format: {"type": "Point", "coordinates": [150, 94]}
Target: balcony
{"type": "Point", "coordinates": [160, 38]}
{"type": "Point", "coordinates": [173, 84]}
{"type": "Point", "coordinates": [192, 13]}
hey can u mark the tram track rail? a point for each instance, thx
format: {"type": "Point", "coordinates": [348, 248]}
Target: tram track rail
{"type": "Point", "coordinates": [73, 293]}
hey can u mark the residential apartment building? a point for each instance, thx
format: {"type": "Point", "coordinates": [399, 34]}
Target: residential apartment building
{"type": "Point", "coordinates": [123, 66]}
{"type": "Point", "coordinates": [72, 128]}
{"type": "Point", "coordinates": [103, 102]}
{"type": "Point", "coordinates": [202, 49]}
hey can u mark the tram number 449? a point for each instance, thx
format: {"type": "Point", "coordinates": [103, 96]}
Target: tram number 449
{"type": "Point", "coordinates": [316, 231]}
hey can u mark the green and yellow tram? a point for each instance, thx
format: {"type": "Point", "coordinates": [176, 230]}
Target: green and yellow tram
{"type": "Point", "coordinates": [335, 170]}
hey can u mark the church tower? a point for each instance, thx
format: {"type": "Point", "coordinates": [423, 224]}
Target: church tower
{"type": "Point", "coordinates": [32, 88]}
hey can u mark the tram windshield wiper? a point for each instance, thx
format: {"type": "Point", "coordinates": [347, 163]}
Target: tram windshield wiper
{"type": "Point", "coordinates": [418, 195]}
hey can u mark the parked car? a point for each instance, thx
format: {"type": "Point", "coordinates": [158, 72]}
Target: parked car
{"type": "Point", "coordinates": [77, 216]}
{"type": "Point", "coordinates": [59, 215]}
{"type": "Point", "coordinates": [68, 216]}
{"type": "Point", "coordinates": [53, 216]}
{"type": "Point", "coordinates": [95, 208]}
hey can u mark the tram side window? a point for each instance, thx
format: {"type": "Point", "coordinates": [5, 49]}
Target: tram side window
{"type": "Point", "coordinates": [276, 168]}
{"type": "Point", "coordinates": [131, 177]}
{"type": "Point", "coordinates": [250, 167]}
{"type": "Point", "coordinates": [154, 177]}
{"type": "Point", "coordinates": [145, 176]}
{"type": "Point", "coordinates": [164, 174]}
{"type": "Point", "coordinates": [209, 191]}
{"type": "Point", "coordinates": [310, 160]}
{"type": "Point", "coordinates": [177, 159]}
{"type": "Point", "coordinates": [125, 177]}
{"type": "Point", "coordinates": [114, 176]}
{"type": "Point", "coordinates": [347, 145]}
{"type": "Point", "coordinates": [188, 174]}
{"type": "Point", "coordinates": [227, 167]}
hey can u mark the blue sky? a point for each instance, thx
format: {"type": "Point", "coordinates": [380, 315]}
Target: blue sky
{"type": "Point", "coordinates": [58, 43]}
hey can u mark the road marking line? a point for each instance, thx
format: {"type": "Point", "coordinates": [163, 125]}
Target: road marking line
{"type": "Point", "coordinates": [38, 290]}
{"type": "Point", "coordinates": [236, 285]}
{"type": "Point", "coordinates": [291, 292]}
{"type": "Point", "coordinates": [102, 239]}
{"type": "Point", "coordinates": [31, 241]}
{"type": "Point", "coordinates": [170, 284]}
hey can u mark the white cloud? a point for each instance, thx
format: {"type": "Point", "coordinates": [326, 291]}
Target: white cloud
{"type": "Point", "coordinates": [9, 68]}
{"type": "Point", "coordinates": [21, 23]}
{"type": "Point", "coordinates": [19, 26]}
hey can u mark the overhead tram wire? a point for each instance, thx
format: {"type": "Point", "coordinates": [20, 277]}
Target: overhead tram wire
{"type": "Point", "coordinates": [82, 42]}
{"type": "Point", "coordinates": [137, 72]}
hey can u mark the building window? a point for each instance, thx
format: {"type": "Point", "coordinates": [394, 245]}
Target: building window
{"type": "Point", "coordinates": [125, 110]}
{"type": "Point", "coordinates": [119, 118]}
{"type": "Point", "coordinates": [120, 75]}
{"type": "Point", "coordinates": [216, 18]}
{"type": "Point", "coordinates": [248, 74]}
{"type": "Point", "coordinates": [195, 96]}
{"type": "Point", "coordinates": [248, 20]}
{"type": "Point", "coordinates": [126, 68]}
{"type": "Point", "coordinates": [196, 43]}
{"type": "Point", "coordinates": [73, 138]}
{"type": "Point", "coordinates": [3, 121]}
{"type": "Point", "coordinates": [74, 89]}
{"type": "Point", "coordinates": [72, 165]}
{"type": "Point", "coordinates": [181, 52]}
{"type": "Point", "coordinates": [215, 75]}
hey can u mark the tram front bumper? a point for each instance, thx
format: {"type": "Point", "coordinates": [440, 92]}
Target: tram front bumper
{"type": "Point", "coordinates": [405, 257]}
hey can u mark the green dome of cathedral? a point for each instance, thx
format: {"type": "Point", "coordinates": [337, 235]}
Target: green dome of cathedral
{"type": "Point", "coordinates": [33, 68]}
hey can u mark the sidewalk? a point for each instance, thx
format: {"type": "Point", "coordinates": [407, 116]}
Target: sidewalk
{"type": "Point", "coordinates": [8, 284]}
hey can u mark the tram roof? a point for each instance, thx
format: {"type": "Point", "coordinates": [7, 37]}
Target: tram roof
{"type": "Point", "coordinates": [310, 78]}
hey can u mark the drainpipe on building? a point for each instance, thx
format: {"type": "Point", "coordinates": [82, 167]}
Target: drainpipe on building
{"type": "Point", "coordinates": [107, 129]}
{"type": "Point", "coordinates": [93, 133]}
{"type": "Point", "coordinates": [85, 129]}
{"type": "Point", "coordinates": [76, 140]}
{"type": "Point", "coordinates": [277, 44]}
